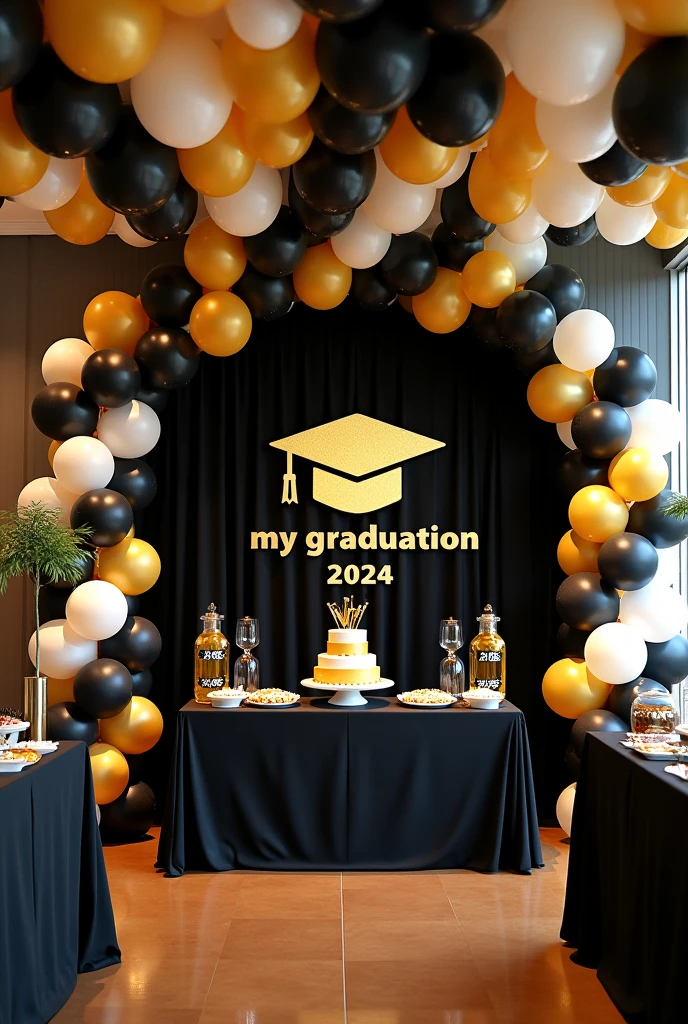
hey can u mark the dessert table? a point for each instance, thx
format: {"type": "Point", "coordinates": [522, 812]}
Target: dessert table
{"type": "Point", "coordinates": [56, 919]}
{"type": "Point", "coordinates": [378, 788]}
{"type": "Point", "coordinates": [627, 891]}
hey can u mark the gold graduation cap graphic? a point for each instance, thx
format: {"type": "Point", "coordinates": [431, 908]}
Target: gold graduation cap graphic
{"type": "Point", "coordinates": [360, 447]}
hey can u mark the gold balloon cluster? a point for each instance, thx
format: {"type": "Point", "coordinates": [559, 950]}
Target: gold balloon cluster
{"type": "Point", "coordinates": [133, 731]}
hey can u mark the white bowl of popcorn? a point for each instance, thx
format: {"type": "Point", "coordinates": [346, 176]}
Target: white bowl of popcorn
{"type": "Point", "coordinates": [227, 697]}
{"type": "Point", "coordinates": [486, 700]}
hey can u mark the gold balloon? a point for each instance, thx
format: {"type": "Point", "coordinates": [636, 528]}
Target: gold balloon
{"type": "Point", "coordinates": [60, 690]}
{"type": "Point", "coordinates": [84, 219]}
{"type": "Point", "coordinates": [110, 772]}
{"type": "Point", "coordinates": [406, 302]}
{"type": "Point", "coordinates": [213, 257]}
{"type": "Point", "coordinates": [107, 41]}
{"type": "Point", "coordinates": [658, 17]}
{"type": "Point", "coordinates": [222, 166]}
{"type": "Point", "coordinates": [220, 323]}
{"type": "Point", "coordinates": [115, 320]}
{"type": "Point", "coordinates": [556, 393]}
{"type": "Point", "coordinates": [133, 566]}
{"type": "Point", "coordinates": [21, 165]}
{"type": "Point", "coordinates": [54, 445]}
{"type": "Point", "coordinates": [638, 474]}
{"type": "Point", "coordinates": [597, 513]}
{"type": "Point", "coordinates": [515, 147]}
{"type": "Point", "coordinates": [193, 8]}
{"type": "Point", "coordinates": [672, 206]}
{"type": "Point", "coordinates": [495, 197]}
{"type": "Point", "coordinates": [276, 145]}
{"type": "Point", "coordinates": [634, 44]}
{"type": "Point", "coordinates": [661, 236]}
{"type": "Point", "coordinates": [645, 189]}
{"type": "Point", "coordinates": [413, 157]}
{"type": "Point", "coordinates": [488, 278]}
{"type": "Point", "coordinates": [321, 280]}
{"type": "Point", "coordinates": [444, 306]}
{"type": "Point", "coordinates": [575, 554]}
{"type": "Point", "coordinates": [570, 689]}
{"type": "Point", "coordinates": [134, 730]}
{"type": "Point", "coordinates": [272, 85]}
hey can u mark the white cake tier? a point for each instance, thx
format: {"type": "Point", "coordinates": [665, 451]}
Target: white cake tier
{"type": "Point", "coordinates": [347, 636]}
{"type": "Point", "coordinates": [346, 661]}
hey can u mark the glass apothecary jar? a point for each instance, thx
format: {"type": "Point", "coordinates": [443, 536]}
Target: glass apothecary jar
{"type": "Point", "coordinates": [654, 712]}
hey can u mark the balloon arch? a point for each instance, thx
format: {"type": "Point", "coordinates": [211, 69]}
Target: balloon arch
{"type": "Point", "coordinates": [366, 148]}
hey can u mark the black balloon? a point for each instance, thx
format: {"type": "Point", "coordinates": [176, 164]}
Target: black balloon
{"type": "Point", "coordinates": [628, 561]}
{"type": "Point", "coordinates": [458, 213]}
{"type": "Point", "coordinates": [332, 182]}
{"type": "Point", "coordinates": [370, 291]}
{"type": "Point", "coordinates": [648, 519]}
{"type": "Point", "coordinates": [650, 102]}
{"type": "Point", "coordinates": [601, 429]}
{"type": "Point", "coordinates": [134, 480]}
{"type": "Point", "coordinates": [319, 226]}
{"type": "Point", "coordinates": [339, 10]}
{"type": "Point", "coordinates": [62, 114]}
{"type": "Point", "coordinates": [346, 130]}
{"type": "Point", "coordinates": [279, 249]}
{"type": "Point", "coordinates": [573, 765]}
{"type": "Point", "coordinates": [171, 220]}
{"type": "Point", "coordinates": [585, 601]}
{"type": "Point", "coordinates": [107, 512]}
{"type": "Point", "coordinates": [137, 645]}
{"type": "Point", "coordinates": [266, 297]}
{"type": "Point", "coordinates": [561, 285]}
{"type": "Point", "coordinates": [86, 570]}
{"type": "Point", "coordinates": [67, 721]}
{"type": "Point", "coordinates": [526, 320]}
{"type": "Point", "coordinates": [133, 173]}
{"type": "Point", "coordinates": [627, 377]}
{"type": "Point", "coordinates": [622, 696]}
{"type": "Point", "coordinates": [169, 293]}
{"type": "Point", "coordinates": [577, 470]}
{"type": "Point", "coordinates": [168, 357]}
{"type": "Point", "coordinates": [462, 15]}
{"type": "Point", "coordinates": [594, 721]}
{"type": "Point", "coordinates": [531, 362]}
{"type": "Point", "coordinates": [615, 167]}
{"type": "Point", "coordinates": [483, 323]}
{"type": "Point", "coordinates": [130, 816]}
{"type": "Point", "coordinates": [142, 683]}
{"type": "Point", "coordinates": [156, 399]}
{"type": "Point", "coordinates": [579, 234]}
{"type": "Point", "coordinates": [103, 687]}
{"type": "Point", "coordinates": [110, 378]}
{"type": "Point", "coordinates": [571, 641]}
{"type": "Point", "coordinates": [410, 265]}
{"type": "Point", "coordinates": [133, 604]}
{"type": "Point", "coordinates": [63, 410]}
{"type": "Point", "coordinates": [451, 252]}
{"type": "Point", "coordinates": [375, 64]}
{"type": "Point", "coordinates": [462, 92]}
{"type": "Point", "coordinates": [668, 662]}
{"type": "Point", "coordinates": [21, 35]}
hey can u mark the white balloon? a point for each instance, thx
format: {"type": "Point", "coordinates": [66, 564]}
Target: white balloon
{"type": "Point", "coordinates": [616, 653]}
{"type": "Point", "coordinates": [96, 610]}
{"type": "Point", "coordinates": [123, 228]}
{"type": "Point", "coordinates": [497, 40]}
{"type": "Point", "coordinates": [264, 24]}
{"type": "Point", "coordinates": [668, 568]}
{"type": "Point", "coordinates": [455, 171]}
{"type": "Point", "coordinates": [584, 339]}
{"type": "Point", "coordinates": [528, 226]}
{"type": "Point", "coordinates": [64, 359]}
{"type": "Point", "coordinates": [564, 808]}
{"type": "Point", "coordinates": [58, 185]}
{"type": "Point", "coordinates": [527, 258]}
{"type": "Point", "coordinates": [624, 225]}
{"type": "Point", "coordinates": [49, 492]}
{"type": "Point", "coordinates": [181, 97]}
{"type": "Point", "coordinates": [361, 244]}
{"type": "Point", "coordinates": [63, 652]}
{"type": "Point", "coordinates": [657, 612]}
{"type": "Point", "coordinates": [582, 132]}
{"type": "Point", "coordinates": [655, 425]}
{"type": "Point", "coordinates": [563, 195]}
{"type": "Point", "coordinates": [253, 208]}
{"type": "Point", "coordinates": [564, 432]}
{"type": "Point", "coordinates": [130, 431]}
{"type": "Point", "coordinates": [564, 52]}
{"type": "Point", "coordinates": [83, 463]}
{"type": "Point", "coordinates": [395, 205]}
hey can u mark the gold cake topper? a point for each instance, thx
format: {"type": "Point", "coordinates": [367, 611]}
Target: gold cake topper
{"type": "Point", "coordinates": [348, 616]}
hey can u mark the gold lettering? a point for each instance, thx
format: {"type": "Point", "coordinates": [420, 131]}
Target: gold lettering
{"type": "Point", "coordinates": [388, 545]}
{"type": "Point", "coordinates": [368, 539]}
{"type": "Point", "coordinates": [348, 540]}
{"type": "Point", "coordinates": [449, 541]}
{"type": "Point", "coordinates": [408, 541]}
{"type": "Point", "coordinates": [473, 537]}
{"type": "Point", "coordinates": [261, 539]}
{"type": "Point", "coordinates": [315, 542]}
{"type": "Point", "coordinates": [288, 540]}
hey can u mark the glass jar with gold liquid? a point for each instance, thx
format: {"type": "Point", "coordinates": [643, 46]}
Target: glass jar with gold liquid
{"type": "Point", "coordinates": [211, 657]}
{"type": "Point", "coordinates": [487, 655]}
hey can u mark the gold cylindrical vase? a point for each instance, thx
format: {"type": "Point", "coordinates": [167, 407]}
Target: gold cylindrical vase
{"type": "Point", "coordinates": [35, 706]}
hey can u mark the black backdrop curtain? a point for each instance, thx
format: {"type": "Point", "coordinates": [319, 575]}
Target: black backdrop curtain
{"type": "Point", "coordinates": [219, 480]}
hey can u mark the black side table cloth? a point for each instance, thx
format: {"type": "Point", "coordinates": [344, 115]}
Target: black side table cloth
{"type": "Point", "coordinates": [627, 892]}
{"type": "Point", "coordinates": [377, 789]}
{"type": "Point", "coordinates": [56, 918]}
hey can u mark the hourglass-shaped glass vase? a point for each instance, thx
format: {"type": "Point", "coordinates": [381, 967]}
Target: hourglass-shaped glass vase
{"type": "Point", "coordinates": [452, 675]}
{"type": "Point", "coordinates": [246, 669]}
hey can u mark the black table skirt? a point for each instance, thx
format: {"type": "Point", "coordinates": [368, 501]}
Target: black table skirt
{"type": "Point", "coordinates": [378, 788]}
{"type": "Point", "coordinates": [55, 913]}
{"type": "Point", "coordinates": [627, 894]}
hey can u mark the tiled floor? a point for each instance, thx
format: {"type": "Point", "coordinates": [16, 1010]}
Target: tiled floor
{"type": "Point", "coordinates": [450, 947]}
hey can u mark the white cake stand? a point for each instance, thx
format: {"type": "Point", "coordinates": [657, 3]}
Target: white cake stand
{"type": "Point", "coordinates": [347, 696]}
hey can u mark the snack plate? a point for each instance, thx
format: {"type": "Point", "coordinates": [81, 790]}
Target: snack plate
{"type": "Point", "coordinates": [12, 766]}
{"type": "Point", "coordinates": [659, 755]}
{"type": "Point", "coordinates": [432, 707]}
{"type": "Point", "coordinates": [7, 730]}
{"type": "Point", "coordinates": [39, 746]}
{"type": "Point", "coordinates": [255, 704]}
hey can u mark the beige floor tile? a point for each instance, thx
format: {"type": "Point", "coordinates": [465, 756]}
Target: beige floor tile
{"type": "Point", "coordinates": [285, 902]}
{"type": "Point", "coordinates": [425, 1015]}
{"type": "Point", "coordinates": [397, 903]}
{"type": "Point", "coordinates": [260, 984]}
{"type": "Point", "coordinates": [74, 1014]}
{"type": "Point", "coordinates": [390, 879]}
{"type": "Point", "coordinates": [156, 985]}
{"type": "Point", "coordinates": [419, 984]}
{"type": "Point", "coordinates": [404, 940]}
{"type": "Point", "coordinates": [269, 1015]}
{"type": "Point", "coordinates": [290, 939]}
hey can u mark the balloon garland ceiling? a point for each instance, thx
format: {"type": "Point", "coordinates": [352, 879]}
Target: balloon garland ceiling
{"type": "Point", "coordinates": [375, 149]}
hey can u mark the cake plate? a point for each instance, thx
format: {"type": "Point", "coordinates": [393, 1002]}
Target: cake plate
{"type": "Point", "coordinates": [347, 696]}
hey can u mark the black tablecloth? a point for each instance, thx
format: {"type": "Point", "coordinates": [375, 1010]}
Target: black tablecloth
{"type": "Point", "coordinates": [55, 913]}
{"type": "Point", "coordinates": [627, 893]}
{"type": "Point", "coordinates": [326, 788]}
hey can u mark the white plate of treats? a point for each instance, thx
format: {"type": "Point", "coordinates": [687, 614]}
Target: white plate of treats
{"type": "Point", "coordinates": [426, 698]}
{"type": "Point", "coordinates": [272, 697]}
{"type": "Point", "coordinates": [40, 746]}
{"type": "Point", "coordinates": [15, 760]}
{"type": "Point", "coordinates": [227, 697]}
{"type": "Point", "coordinates": [653, 751]}
{"type": "Point", "coordinates": [486, 700]}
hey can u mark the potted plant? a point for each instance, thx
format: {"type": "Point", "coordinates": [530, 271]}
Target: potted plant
{"type": "Point", "coordinates": [34, 543]}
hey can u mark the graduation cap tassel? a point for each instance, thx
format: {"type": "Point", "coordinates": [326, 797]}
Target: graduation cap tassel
{"type": "Point", "coordinates": [289, 495]}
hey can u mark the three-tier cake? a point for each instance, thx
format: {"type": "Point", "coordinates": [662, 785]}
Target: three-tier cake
{"type": "Point", "coordinates": [347, 661]}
